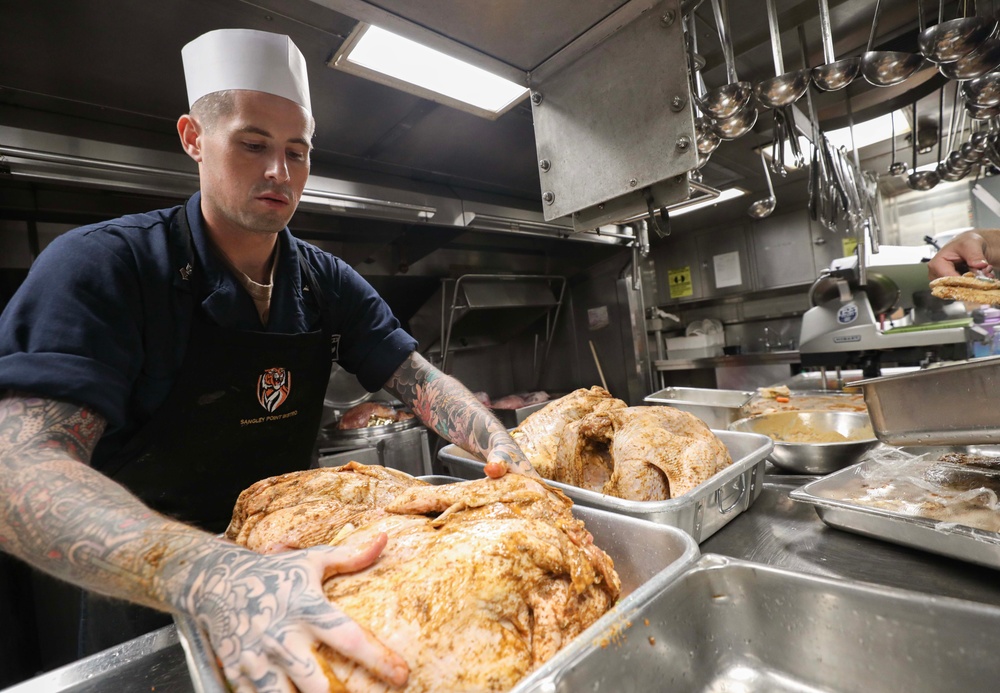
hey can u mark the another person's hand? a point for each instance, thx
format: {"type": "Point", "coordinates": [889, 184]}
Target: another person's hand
{"type": "Point", "coordinates": [265, 616]}
{"type": "Point", "coordinates": [966, 252]}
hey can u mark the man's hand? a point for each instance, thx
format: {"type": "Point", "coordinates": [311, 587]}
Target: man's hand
{"type": "Point", "coordinates": [968, 251]}
{"type": "Point", "coordinates": [265, 615]}
{"type": "Point", "coordinates": [448, 408]}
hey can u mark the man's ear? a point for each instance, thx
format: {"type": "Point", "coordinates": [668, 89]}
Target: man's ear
{"type": "Point", "coordinates": [190, 132]}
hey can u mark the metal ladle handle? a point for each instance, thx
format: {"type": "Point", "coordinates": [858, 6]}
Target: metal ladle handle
{"type": "Point", "coordinates": [871, 36]}
{"type": "Point", "coordinates": [772, 23]}
{"type": "Point", "coordinates": [721, 11]}
{"type": "Point", "coordinates": [824, 28]}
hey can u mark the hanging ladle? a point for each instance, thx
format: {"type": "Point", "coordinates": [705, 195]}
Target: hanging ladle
{"type": "Point", "coordinates": [896, 168]}
{"type": "Point", "coordinates": [763, 207]}
{"type": "Point", "coordinates": [976, 64]}
{"type": "Point", "coordinates": [706, 140]}
{"type": "Point", "coordinates": [983, 91]}
{"type": "Point", "coordinates": [785, 87]}
{"type": "Point", "coordinates": [924, 180]}
{"type": "Point", "coordinates": [726, 101]}
{"type": "Point", "coordinates": [886, 68]}
{"type": "Point", "coordinates": [835, 74]}
{"type": "Point", "coordinates": [946, 42]}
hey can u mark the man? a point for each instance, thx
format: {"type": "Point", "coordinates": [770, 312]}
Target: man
{"type": "Point", "coordinates": [162, 362]}
{"type": "Point", "coordinates": [977, 251]}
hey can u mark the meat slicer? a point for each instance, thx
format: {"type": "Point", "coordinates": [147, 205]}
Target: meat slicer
{"type": "Point", "coordinates": [849, 324]}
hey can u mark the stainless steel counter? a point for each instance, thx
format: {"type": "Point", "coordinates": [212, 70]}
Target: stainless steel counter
{"type": "Point", "coordinates": [764, 358]}
{"type": "Point", "coordinates": [778, 531]}
{"type": "Point", "coordinates": [775, 530]}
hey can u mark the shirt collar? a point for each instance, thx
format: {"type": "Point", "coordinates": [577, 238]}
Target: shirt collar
{"type": "Point", "coordinates": [226, 301]}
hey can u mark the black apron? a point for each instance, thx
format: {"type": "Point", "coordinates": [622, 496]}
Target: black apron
{"type": "Point", "coordinates": [245, 406]}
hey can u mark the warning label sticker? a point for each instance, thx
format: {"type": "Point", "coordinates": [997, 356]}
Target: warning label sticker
{"type": "Point", "coordinates": [680, 282]}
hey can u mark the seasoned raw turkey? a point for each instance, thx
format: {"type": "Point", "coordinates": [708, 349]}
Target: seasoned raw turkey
{"type": "Point", "coordinates": [480, 581]}
{"type": "Point", "coordinates": [540, 433]}
{"type": "Point", "coordinates": [596, 442]}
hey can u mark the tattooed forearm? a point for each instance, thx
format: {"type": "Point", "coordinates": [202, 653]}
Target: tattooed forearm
{"type": "Point", "coordinates": [263, 613]}
{"type": "Point", "coordinates": [69, 520]}
{"type": "Point", "coordinates": [449, 408]}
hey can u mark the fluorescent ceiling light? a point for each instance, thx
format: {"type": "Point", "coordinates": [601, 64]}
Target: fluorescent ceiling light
{"type": "Point", "coordinates": [727, 194]}
{"type": "Point", "coordinates": [413, 67]}
{"type": "Point", "coordinates": [870, 131]}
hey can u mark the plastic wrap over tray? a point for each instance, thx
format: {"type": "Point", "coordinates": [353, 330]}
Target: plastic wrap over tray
{"type": "Point", "coordinates": [730, 625]}
{"type": "Point", "coordinates": [647, 558]}
{"type": "Point", "coordinates": [700, 512]}
{"type": "Point", "coordinates": [947, 405]}
{"type": "Point", "coordinates": [940, 537]}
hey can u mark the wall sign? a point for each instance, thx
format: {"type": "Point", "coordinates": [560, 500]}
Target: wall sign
{"type": "Point", "coordinates": [727, 270]}
{"type": "Point", "coordinates": [680, 282]}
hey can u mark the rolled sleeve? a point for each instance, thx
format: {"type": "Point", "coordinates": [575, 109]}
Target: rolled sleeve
{"type": "Point", "coordinates": [372, 342]}
{"type": "Point", "coordinates": [71, 332]}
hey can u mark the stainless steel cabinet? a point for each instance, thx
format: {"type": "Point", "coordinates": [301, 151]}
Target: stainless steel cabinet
{"type": "Point", "coordinates": [725, 263]}
{"type": "Point", "coordinates": [827, 245]}
{"type": "Point", "coordinates": [678, 269]}
{"type": "Point", "coordinates": [783, 250]}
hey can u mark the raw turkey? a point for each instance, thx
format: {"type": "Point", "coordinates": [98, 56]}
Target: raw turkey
{"type": "Point", "coordinates": [371, 414]}
{"type": "Point", "coordinates": [480, 582]}
{"type": "Point", "coordinates": [540, 433]}
{"type": "Point", "coordinates": [593, 441]}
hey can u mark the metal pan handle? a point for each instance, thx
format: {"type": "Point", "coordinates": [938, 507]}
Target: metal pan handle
{"type": "Point", "coordinates": [735, 503]}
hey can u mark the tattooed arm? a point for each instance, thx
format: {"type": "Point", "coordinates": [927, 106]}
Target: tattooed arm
{"type": "Point", "coordinates": [263, 614]}
{"type": "Point", "coordinates": [449, 408]}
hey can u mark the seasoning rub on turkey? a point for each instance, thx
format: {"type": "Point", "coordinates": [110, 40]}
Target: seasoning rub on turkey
{"type": "Point", "coordinates": [591, 440]}
{"type": "Point", "coordinates": [480, 582]}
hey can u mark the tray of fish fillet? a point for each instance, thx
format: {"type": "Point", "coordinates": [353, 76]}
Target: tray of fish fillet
{"type": "Point", "coordinates": [654, 463]}
{"type": "Point", "coordinates": [938, 499]}
{"type": "Point", "coordinates": [480, 583]}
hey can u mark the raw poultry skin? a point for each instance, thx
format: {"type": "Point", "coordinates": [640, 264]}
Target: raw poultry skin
{"type": "Point", "coordinates": [480, 582]}
{"type": "Point", "coordinates": [596, 442]}
{"type": "Point", "coordinates": [661, 453]}
{"type": "Point", "coordinates": [540, 434]}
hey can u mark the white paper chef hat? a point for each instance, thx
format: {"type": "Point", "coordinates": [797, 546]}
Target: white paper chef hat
{"type": "Point", "coordinates": [245, 59]}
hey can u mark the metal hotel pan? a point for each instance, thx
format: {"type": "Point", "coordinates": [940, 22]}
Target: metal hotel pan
{"type": "Point", "coordinates": [947, 405]}
{"type": "Point", "coordinates": [730, 625]}
{"type": "Point", "coordinates": [701, 512]}
{"type": "Point", "coordinates": [944, 538]}
{"type": "Point", "coordinates": [647, 557]}
{"type": "Point", "coordinates": [717, 408]}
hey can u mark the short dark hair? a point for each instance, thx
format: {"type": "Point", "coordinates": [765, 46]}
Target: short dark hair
{"type": "Point", "coordinates": [208, 109]}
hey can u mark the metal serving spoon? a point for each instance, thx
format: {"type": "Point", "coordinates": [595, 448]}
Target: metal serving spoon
{"type": "Point", "coordinates": [785, 87]}
{"type": "Point", "coordinates": [835, 74]}
{"type": "Point", "coordinates": [886, 68]}
{"type": "Point", "coordinates": [946, 42]}
{"type": "Point", "coordinates": [726, 101]}
{"type": "Point", "coordinates": [763, 207]}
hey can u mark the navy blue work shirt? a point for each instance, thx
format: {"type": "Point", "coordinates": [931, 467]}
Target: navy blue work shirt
{"type": "Point", "coordinates": [100, 320]}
